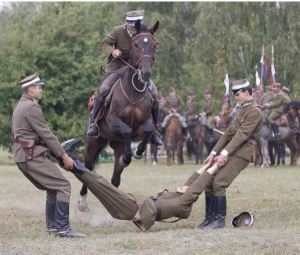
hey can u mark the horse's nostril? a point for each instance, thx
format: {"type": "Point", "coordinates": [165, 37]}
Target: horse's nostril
{"type": "Point", "coordinates": [146, 76]}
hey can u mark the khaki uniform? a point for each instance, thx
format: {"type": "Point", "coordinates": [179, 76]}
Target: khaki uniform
{"type": "Point", "coordinates": [28, 123]}
{"type": "Point", "coordinates": [120, 39]}
{"type": "Point", "coordinates": [191, 109]}
{"type": "Point", "coordinates": [238, 141]}
{"type": "Point", "coordinates": [164, 205]}
{"type": "Point", "coordinates": [177, 104]}
{"type": "Point", "coordinates": [208, 109]}
{"type": "Point", "coordinates": [279, 101]}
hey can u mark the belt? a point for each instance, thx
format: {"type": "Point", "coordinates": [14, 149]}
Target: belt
{"type": "Point", "coordinates": [158, 209]}
{"type": "Point", "coordinates": [28, 142]}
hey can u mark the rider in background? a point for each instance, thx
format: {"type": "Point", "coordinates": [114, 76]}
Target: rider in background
{"type": "Point", "coordinates": [117, 46]}
{"type": "Point", "coordinates": [174, 106]}
{"type": "Point", "coordinates": [191, 108]}
{"type": "Point", "coordinates": [208, 110]}
{"type": "Point", "coordinates": [277, 105]}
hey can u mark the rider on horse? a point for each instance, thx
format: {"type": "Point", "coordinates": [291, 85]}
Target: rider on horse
{"type": "Point", "coordinates": [277, 105]}
{"type": "Point", "coordinates": [117, 46]}
{"type": "Point", "coordinates": [191, 108]}
{"type": "Point", "coordinates": [174, 106]}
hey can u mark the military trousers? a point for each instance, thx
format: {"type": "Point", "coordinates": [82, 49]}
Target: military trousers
{"type": "Point", "coordinates": [225, 176]}
{"type": "Point", "coordinates": [45, 175]}
{"type": "Point", "coordinates": [273, 116]}
{"type": "Point", "coordinates": [124, 206]}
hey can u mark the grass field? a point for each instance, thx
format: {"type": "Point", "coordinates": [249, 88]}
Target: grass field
{"type": "Point", "coordinates": [273, 193]}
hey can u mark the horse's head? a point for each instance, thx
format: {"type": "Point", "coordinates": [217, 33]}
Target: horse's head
{"type": "Point", "coordinates": [143, 50]}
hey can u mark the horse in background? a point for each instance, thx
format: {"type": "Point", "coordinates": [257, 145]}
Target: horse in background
{"type": "Point", "coordinates": [268, 143]}
{"type": "Point", "coordinates": [195, 141]}
{"type": "Point", "coordinates": [173, 141]}
{"type": "Point", "coordinates": [128, 117]}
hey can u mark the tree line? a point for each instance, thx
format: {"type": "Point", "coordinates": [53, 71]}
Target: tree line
{"type": "Point", "coordinates": [198, 43]}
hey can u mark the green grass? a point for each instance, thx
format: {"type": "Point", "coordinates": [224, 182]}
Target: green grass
{"type": "Point", "coordinates": [273, 193]}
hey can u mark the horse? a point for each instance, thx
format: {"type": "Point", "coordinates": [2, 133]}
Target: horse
{"type": "Point", "coordinates": [128, 117]}
{"type": "Point", "coordinates": [173, 141]}
{"type": "Point", "coordinates": [287, 136]}
{"type": "Point", "coordinates": [195, 142]}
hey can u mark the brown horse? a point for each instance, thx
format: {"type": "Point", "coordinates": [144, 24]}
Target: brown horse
{"type": "Point", "coordinates": [173, 141]}
{"type": "Point", "coordinates": [195, 143]}
{"type": "Point", "coordinates": [129, 115]}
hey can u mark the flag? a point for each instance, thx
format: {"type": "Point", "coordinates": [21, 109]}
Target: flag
{"type": "Point", "coordinates": [226, 83]}
{"type": "Point", "coordinates": [257, 79]}
{"type": "Point", "coordinates": [272, 76]}
{"type": "Point", "coordinates": [264, 66]}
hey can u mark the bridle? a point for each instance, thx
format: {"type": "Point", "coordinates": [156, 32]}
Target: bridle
{"type": "Point", "coordinates": [137, 71]}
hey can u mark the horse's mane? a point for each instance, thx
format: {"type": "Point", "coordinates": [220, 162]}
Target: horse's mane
{"type": "Point", "coordinates": [294, 104]}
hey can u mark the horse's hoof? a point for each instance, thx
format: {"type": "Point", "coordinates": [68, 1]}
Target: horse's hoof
{"type": "Point", "coordinates": [82, 204]}
{"type": "Point", "coordinates": [154, 163]}
{"type": "Point", "coordinates": [137, 156]}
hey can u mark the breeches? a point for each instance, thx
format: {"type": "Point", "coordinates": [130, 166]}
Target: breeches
{"type": "Point", "coordinates": [225, 176]}
{"type": "Point", "coordinates": [273, 116]}
{"type": "Point", "coordinates": [210, 121]}
{"type": "Point", "coordinates": [119, 204]}
{"type": "Point", "coordinates": [45, 175]}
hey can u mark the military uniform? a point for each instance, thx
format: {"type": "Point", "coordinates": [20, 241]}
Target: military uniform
{"type": "Point", "coordinates": [32, 140]}
{"type": "Point", "coordinates": [174, 103]}
{"type": "Point", "coordinates": [277, 104]}
{"type": "Point", "coordinates": [238, 143]}
{"type": "Point", "coordinates": [191, 108]}
{"type": "Point", "coordinates": [162, 206]}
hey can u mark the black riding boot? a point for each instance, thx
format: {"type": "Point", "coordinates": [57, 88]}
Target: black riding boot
{"type": "Point", "coordinates": [275, 130]}
{"type": "Point", "coordinates": [93, 129]}
{"type": "Point", "coordinates": [220, 213]}
{"type": "Point", "coordinates": [155, 138]}
{"type": "Point", "coordinates": [62, 221]}
{"type": "Point", "coordinates": [50, 217]}
{"type": "Point", "coordinates": [209, 211]}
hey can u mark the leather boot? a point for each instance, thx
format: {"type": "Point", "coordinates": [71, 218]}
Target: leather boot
{"type": "Point", "coordinates": [209, 211]}
{"type": "Point", "coordinates": [50, 217]}
{"type": "Point", "coordinates": [62, 221]}
{"type": "Point", "coordinates": [275, 130]}
{"type": "Point", "coordinates": [93, 129]}
{"type": "Point", "coordinates": [155, 138]}
{"type": "Point", "coordinates": [220, 213]}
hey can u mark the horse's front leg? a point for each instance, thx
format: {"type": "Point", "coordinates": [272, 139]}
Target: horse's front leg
{"type": "Point", "coordinates": [117, 126]}
{"type": "Point", "coordinates": [148, 131]}
{"type": "Point", "coordinates": [119, 149]}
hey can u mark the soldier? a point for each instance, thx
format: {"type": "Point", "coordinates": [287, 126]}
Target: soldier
{"type": "Point", "coordinates": [174, 106]}
{"type": "Point", "coordinates": [233, 152]}
{"type": "Point", "coordinates": [117, 46]}
{"type": "Point", "coordinates": [144, 211]}
{"type": "Point", "coordinates": [277, 106]}
{"type": "Point", "coordinates": [32, 139]}
{"type": "Point", "coordinates": [208, 111]}
{"type": "Point", "coordinates": [191, 105]}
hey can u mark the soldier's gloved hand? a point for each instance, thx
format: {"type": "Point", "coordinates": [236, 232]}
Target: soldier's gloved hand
{"type": "Point", "coordinates": [67, 161]}
{"type": "Point", "coordinates": [116, 53]}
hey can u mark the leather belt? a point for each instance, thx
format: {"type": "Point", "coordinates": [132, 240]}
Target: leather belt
{"type": "Point", "coordinates": [158, 209]}
{"type": "Point", "coordinates": [28, 141]}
